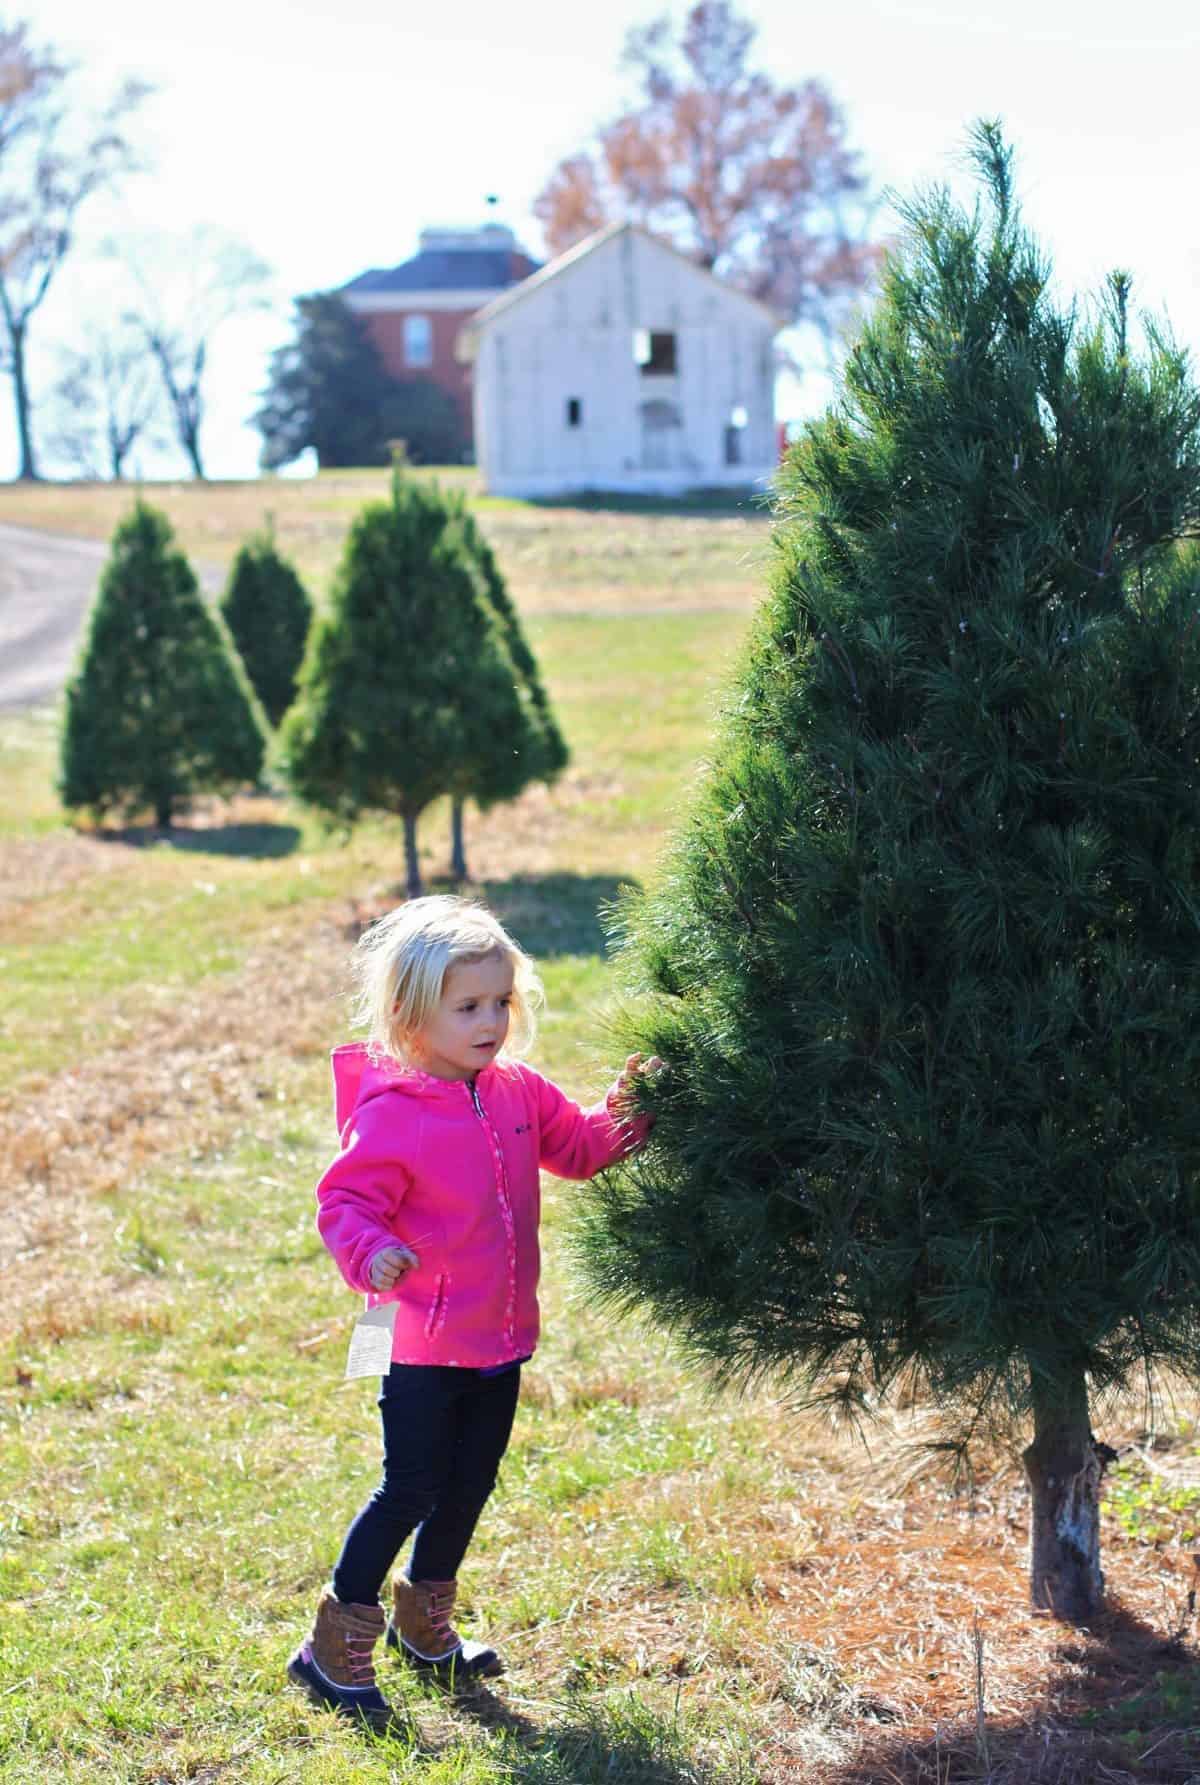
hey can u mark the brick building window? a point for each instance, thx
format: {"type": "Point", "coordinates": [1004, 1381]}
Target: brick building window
{"type": "Point", "coordinates": [418, 341]}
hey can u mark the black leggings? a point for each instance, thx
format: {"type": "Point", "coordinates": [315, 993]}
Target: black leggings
{"type": "Point", "coordinates": [444, 1433]}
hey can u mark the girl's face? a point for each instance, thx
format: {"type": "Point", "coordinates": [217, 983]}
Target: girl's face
{"type": "Point", "coordinates": [467, 1030]}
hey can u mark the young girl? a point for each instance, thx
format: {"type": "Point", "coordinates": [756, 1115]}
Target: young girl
{"type": "Point", "coordinates": [432, 1204]}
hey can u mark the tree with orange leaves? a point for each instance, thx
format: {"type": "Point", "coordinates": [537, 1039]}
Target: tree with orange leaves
{"type": "Point", "coordinates": [756, 182]}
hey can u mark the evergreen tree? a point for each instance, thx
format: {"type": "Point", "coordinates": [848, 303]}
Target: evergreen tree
{"type": "Point", "coordinates": [159, 708]}
{"type": "Point", "coordinates": [329, 389]}
{"type": "Point", "coordinates": [407, 692]}
{"type": "Point", "coordinates": [533, 747]}
{"type": "Point", "coordinates": [924, 958]}
{"type": "Point", "coordinates": [268, 613]}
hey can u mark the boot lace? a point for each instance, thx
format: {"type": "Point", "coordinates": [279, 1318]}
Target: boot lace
{"type": "Point", "coordinates": [438, 1609]}
{"type": "Point", "coordinates": [359, 1650]}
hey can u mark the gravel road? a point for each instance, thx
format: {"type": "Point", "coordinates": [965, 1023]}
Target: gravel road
{"type": "Point", "coordinates": [46, 586]}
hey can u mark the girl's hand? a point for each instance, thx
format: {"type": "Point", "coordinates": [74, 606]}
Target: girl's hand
{"type": "Point", "coordinates": [389, 1265]}
{"type": "Point", "coordinates": [636, 1064]}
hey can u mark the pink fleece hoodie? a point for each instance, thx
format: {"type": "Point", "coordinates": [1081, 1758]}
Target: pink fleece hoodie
{"type": "Point", "coordinates": [450, 1168]}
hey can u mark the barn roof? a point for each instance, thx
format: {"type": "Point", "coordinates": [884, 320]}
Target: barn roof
{"type": "Point", "coordinates": [563, 262]}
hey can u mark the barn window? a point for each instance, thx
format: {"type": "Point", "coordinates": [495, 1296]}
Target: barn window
{"type": "Point", "coordinates": [418, 341]}
{"type": "Point", "coordinates": [574, 411]}
{"type": "Point", "coordinates": [655, 353]}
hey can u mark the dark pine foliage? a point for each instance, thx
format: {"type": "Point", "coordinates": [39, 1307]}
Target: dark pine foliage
{"type": "Point", "coordinates": [268, 613]}
{"type": "Point", "coordinates": [409, 690]}
{"type": "Point", "coordinates": [329, 389]}
{"type": "Point", "coordinates": [925, 958]}
{"type": "Point", "coordinates": [159, 708]}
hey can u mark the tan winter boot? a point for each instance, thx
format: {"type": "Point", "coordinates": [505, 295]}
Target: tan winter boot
{"type": "Point", "coordinates": [336, 1666]}
{"type": "Point", "coordinates": [421, 1630]}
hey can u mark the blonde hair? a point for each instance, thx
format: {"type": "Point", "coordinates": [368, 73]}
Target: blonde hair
{"type": "Point", "coordinates": [400, 966]}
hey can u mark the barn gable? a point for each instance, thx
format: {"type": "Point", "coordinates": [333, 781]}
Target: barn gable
{"type": "Point", "coordinates": [622, 365]}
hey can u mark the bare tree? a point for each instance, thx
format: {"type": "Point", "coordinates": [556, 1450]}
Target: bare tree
{"type": "Point", "coordinates": [105, 400]}
{"type": "Point", "coordinates": [187, 289]}
{"type": "Point", "coordinates": [49, 168]}
{"type": "Point", "coordinates": [756, 182]}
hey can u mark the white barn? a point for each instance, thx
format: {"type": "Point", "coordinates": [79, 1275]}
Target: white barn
{"type": "Point", "coordinates": [622, 365]}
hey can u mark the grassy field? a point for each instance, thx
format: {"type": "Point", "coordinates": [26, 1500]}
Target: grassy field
{"type": "Point", "coordinates": [688, 1590]}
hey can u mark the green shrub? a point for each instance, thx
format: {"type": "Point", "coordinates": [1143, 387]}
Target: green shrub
{"type": "Point", "coordinates": [408, 691]}
{"type": "Point", "coordinates": [159, 707]}
{"type": "Point", "coordinates": [268, 613]}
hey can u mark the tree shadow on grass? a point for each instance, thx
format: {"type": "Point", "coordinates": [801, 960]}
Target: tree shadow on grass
{"type": "Point", "coordinates": [255, 842]}
{"type": "Point", "coordinates": [549, 914]}
{"type": "Point", "coordinates": [694, 505]}
{"type": "Point", "coordinates": [596, 1742]}
{"type": "Point", "coordinates": [1124, 1709]}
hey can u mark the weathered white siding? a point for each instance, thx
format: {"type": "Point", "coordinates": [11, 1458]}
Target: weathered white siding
{"type": "Point", "coordinates": [567, 335]}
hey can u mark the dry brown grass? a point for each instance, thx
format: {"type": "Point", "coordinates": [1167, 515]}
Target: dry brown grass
{"type": "Point", "coordinates": [180, 1082]}
{"type": "Point", "coordinates": [879, 1634]}
{"type": "Point", "coordinates": [557, 560]}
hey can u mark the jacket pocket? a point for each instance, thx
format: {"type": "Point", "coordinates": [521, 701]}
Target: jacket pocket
{"type": "Point", "coordinates": [437, 1307]}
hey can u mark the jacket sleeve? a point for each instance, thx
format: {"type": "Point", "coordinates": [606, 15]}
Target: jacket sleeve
{"type": "Point", "coordinates": [359, 1196]}
{"type": "Point", "coordinates": [577, 1143]}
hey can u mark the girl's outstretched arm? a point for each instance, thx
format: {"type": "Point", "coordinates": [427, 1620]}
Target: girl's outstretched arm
{"type": "Point", "coordinates": [577, 1143]}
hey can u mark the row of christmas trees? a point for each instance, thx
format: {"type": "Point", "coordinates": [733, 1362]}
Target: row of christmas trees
{"type": "Point", "coordinates": [417, 683]}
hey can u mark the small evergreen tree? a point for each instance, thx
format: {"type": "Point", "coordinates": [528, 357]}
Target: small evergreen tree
{"type": "Point", "coordinates": [407, 691]}
{"type": "Point", "coordinates": [159, 708]}
{"type": "Point", "coordinates": [533, 747]}
{"type": "Point", "coordinates": [924, 959]}
{"type": "Point", "coordinates": [268, 613]}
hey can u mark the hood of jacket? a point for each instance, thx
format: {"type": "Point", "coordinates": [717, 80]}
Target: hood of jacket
{"type": "Point", "coordinates": [358, 1077]}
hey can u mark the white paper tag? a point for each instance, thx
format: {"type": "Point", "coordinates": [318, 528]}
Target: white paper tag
{"type": "Point", "coordinates": [370, 1351]}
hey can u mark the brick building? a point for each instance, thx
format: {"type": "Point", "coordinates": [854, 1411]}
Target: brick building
{"type": "Point", "coordinates": [416, 311]}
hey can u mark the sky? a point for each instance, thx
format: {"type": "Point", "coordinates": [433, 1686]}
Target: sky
{"type": "Point", "coordinates": [327, 137]}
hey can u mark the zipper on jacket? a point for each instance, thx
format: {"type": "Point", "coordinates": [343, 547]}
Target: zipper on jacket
{"type": "Point", "coordinates": [437, 1310]}
{"type": "Point", "coordinates": [502, 1196]}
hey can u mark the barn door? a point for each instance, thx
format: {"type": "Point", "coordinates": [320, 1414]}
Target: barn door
{"type": "Point", "coordinates": [662, 435]}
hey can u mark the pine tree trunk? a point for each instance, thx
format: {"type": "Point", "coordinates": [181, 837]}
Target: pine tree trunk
{"type": "Point", "coordinates": [411, 862]}
{"type": "Point", "coordinates": [162, 812]}
{"type": "Point", "coordinates": [458, 856]}
{"type": "Point", "coordinates": [1064, 1466]}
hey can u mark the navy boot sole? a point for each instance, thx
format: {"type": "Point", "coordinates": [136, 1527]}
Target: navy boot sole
{"type": "Point", "coordinates": [484, 1665]}
{"type": "Point", "coordinates": [364, 1705]}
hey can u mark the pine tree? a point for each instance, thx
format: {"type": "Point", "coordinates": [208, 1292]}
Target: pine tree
{"type": "Point", "coordinates": [268, 613]}
{"type": "Point", "coordinates": [407, 692]}
{"type": "Point", "coordinates": [159, 708]}
{"type": "Point", "coordinates": [533, 747]}
{"type": "Point", "coordinates": [923, 959]}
